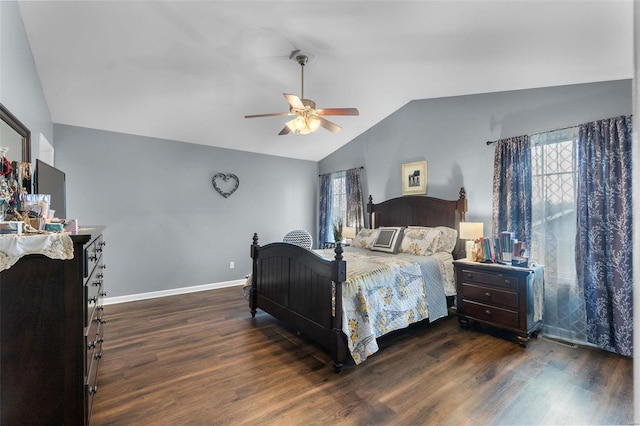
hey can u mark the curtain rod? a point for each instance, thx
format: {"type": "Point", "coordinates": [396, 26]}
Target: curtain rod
{"type": "Point", "coordinates": [561, 128]}
{"type": "Point", "coordinates": [537, 133]}
{"type": "Point", "coordinates": [338, 171]}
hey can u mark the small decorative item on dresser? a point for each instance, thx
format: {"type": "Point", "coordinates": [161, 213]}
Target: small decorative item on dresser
{"type": "Point", "coordinates": [501, 296]}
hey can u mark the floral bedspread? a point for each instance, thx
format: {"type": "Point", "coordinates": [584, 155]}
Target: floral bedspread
{"type": "Point", "coordinates": [387, 292]}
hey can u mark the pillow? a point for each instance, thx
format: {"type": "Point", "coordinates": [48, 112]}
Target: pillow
{"type": "Point", "coordinates": [365, 238]}
{"type": "Point", "coordinates": [388, 239]}
{"type": "Point", "coordinates": [445, 241]}
{"type": "Point", "coordinates": [448, 239]}
{"type": "Point", "coordinates": [419, 241]}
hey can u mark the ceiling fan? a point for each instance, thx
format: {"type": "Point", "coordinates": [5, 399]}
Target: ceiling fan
{"type": "Point", "coordinates": [307, 118]}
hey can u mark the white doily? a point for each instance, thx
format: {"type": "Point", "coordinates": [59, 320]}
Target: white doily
{"type": "Point", "coordinates": [54, 246]}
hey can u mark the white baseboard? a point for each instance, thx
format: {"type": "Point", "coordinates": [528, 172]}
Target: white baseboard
{"type": "Point", "coordinates": [172, 292]}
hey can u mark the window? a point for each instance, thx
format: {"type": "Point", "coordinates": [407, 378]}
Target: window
{"type": "Point", "coordinates": [554, 201]}
{"type": "Point", "coordinates": [339, 200]}
{"type": "Point", "coordinates": [553, 161]}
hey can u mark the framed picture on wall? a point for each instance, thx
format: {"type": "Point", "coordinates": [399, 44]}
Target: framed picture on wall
{"type": "Point", "coordinates": [414, 178]}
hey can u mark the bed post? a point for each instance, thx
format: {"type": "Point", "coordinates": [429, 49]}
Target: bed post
{"type": "Point", "coordinates": [253, 303]}
{"type": "Point", "coordinates": [370, 211]}
{"type": "Point", "coordinates": [462, 203]}
{"type": "Point", "coordinates": [337, 343]}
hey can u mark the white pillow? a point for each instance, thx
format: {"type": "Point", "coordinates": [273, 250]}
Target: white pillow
{"type": "Point", "coordinates": [448, 239]}
{"type": "Point", "coordinates": [388, 239]}
{"type": "Point", "coordinates": [445, 241]}
{"type": "Point", "coordinates": [419, 241]}
{"type": "Point", "coordinates": [365, 238]}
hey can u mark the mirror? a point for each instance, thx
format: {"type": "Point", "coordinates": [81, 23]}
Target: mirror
{"type": "Point", "coordinates": [15, 136]}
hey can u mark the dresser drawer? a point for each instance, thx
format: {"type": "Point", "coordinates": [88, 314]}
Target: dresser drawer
{"type": "Point", "coordinates": [91, 385]}
{"type": "Point", "coordinates": [506, 281]}
{"type": "Point", "coordinates": [491, 314]}
{"type": "Point", "coordinates": [93, 255]}
{"type": "Point", "coordinates": [93, 293]}
{"type": "Point", "coordinates": [490, 295]}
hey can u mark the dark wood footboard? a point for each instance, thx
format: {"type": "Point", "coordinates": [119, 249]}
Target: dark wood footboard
{"type": "Point", "coordinates": [302, 289]}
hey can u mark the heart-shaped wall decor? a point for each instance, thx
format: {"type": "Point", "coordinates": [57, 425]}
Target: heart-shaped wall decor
{"type": "Point", "coordinates": [229, 183]}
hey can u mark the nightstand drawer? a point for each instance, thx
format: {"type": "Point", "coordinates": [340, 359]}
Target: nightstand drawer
{"type": "Point", "coordinates": [490, 295]}
{"type": "Point", "coordinates": [491, 314]}
{"type": "Point", "coordinates": [490, 278]}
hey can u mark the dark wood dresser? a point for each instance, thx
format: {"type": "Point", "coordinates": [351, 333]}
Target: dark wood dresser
{"type": "Point", "coordinates": [499, 295]}
{"type": "Point", "coordinates": [51, 328]}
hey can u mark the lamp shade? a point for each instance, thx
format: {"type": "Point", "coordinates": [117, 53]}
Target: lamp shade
{"type": "Point", "coordinates": [471, 230]}
{"type": "Point", "coordinates": [348, 232]}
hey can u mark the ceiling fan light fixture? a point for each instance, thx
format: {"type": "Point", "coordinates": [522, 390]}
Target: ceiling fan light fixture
{"type": "Point", "coordinates": [299, 123]}
{"type": "Point", "coordinates": [313, 123]}
{"type": "Point", "coordinates": [308, 118]}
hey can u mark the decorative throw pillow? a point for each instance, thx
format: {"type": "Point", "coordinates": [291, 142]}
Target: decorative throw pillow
{"type": "Point", "coordinates": [418, 241]}
{"type": "Point", "coordinates": [388, 239]}
{"type": "Point", "coordinates": [448, 239]}
{"type": "Point", "coordinates": [365, 238]}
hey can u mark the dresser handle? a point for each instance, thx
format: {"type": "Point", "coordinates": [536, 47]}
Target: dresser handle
{"type": "Point", "coordinates": [93, 258]}
{"type": "Point", "coordinates": [507, 281]}
{"type": "Point", "coordinates": [487, 294]}
{"type": "Point", "coordinates": [488, 312]}
{"type": "Point", "coordinates": [93, 390]}
{"type": "Point", "coordinates": [93, 300]}
{"type": "Point", "coordinates": [470, 276]}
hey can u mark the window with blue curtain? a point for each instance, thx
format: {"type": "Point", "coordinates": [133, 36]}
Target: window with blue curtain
{"type": "Point", "coordinates": [580, 225]}
{"type": "Point", "coordinates": [340, 202]}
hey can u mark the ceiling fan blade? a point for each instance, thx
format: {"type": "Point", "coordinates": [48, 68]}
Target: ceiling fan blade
{"type": "Point", "coordinates": [288, 128]}
{"type": "Point", "coordinates": [337, 111]}
{"type": "Point", "coordinates": [332, 127]}
{"type": "Point", "coordinates": [293, 100]}
{"type": "Point", "coordinates": [273, 114]}
{"type": "Point", "coordinates": [285, 131]}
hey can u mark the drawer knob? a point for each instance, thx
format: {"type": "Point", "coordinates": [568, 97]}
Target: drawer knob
{"type": "Point", "coordinates": [93, 390]}
{"type": "Point", "coordinates": [487, 294]}
{"type": "Point", "coordinates": [470, 276]}
{"type": "Point", "coordinates": [488, 312]}
{"type": "Point", "coordinates": [507, 281]}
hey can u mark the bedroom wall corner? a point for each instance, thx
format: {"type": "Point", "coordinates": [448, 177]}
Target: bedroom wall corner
{"type": "Point", "coordinates": [20, 88]}
{"type": "Point", "coordinates": [167, 227]}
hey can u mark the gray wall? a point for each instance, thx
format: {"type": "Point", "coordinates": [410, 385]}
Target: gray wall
{"type": "Point", "coordinates": [20, 88]}
{"type": "Point", "coordinates": [450, 134]}
{"type": "Point", "coordinates": [166, 225]}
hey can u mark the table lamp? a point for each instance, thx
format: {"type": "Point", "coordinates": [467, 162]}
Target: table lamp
{"type": "Point", "coordinates": [348, 234]}
{"type": "Point", "coordinates": [471, 231]}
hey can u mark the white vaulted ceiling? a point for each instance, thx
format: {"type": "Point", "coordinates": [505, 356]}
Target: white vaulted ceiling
{"type": "Point", "coordinates": [190, 70]}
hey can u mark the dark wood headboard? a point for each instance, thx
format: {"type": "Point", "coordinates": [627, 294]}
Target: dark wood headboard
{"type": "Point", "coordinates": [416, 210]}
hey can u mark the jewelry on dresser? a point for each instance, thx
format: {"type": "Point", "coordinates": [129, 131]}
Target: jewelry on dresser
{"type": "Point", "coordinates": [25, 170]}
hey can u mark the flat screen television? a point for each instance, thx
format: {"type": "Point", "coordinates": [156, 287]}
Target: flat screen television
{"type": "Point", "coordinates": [49, 180]}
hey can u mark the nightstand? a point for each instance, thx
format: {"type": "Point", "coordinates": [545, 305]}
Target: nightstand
{"type": "Point", "coordinates": [503, 296]}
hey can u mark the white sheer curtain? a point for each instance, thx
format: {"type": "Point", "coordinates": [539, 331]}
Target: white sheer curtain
{"type": "Point", "coordinates": [554, 199]}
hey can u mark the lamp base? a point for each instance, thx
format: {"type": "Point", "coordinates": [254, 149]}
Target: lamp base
{"type": "Point", "coordinates": [469, 249]}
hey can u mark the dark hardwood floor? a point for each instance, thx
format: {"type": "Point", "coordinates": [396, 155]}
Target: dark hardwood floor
{"type": "Point", "coordinates": [201, 359]}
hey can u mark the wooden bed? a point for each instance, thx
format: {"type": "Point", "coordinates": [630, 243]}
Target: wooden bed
{"type": "Point", "coordinates": [304, 290]}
